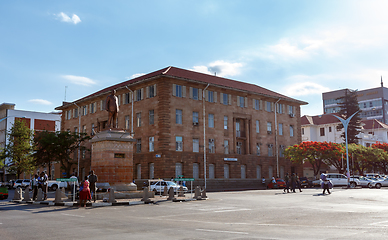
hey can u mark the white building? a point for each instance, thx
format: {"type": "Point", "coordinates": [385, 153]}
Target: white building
{"type": "Point", "coordinates": [36, 121]}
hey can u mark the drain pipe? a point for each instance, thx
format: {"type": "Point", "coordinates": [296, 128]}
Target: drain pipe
{"type": "Point", "coordinates": [132, 133]}
{"type": "Point", "coordinates": [204, 134]}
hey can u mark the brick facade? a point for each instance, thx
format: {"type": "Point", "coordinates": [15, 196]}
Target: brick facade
{"type": "Point", "coordinates": [238, 105]}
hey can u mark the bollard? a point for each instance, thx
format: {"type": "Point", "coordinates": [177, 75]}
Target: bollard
{"type": "Point", "coordinates": [197, 193]}
{"type": "Point", "coordinates": [146, 197]}
{"type": "Point", "coordinates": [170, 194]}
{"type": "Point", "coordinates": [58, 198]}
{"type": "Point", "coordinates": [165, 191]}
{"type": "Point", "coordinates": [112, 196]}
{"type": "Point", "coordinates": [203, 195]}
{"type": "Point", "coordinates": [18, 194]}
{"type": "Point", "coordinates": [27, 197]}
{"type": "Point", "coordinates": [181, 193]}
{"type": "Point", "coordinates": [39, 197]}
{"type": "Point", "coordinates": [63, 193]}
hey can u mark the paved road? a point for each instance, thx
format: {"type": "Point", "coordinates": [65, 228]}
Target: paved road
{"type": "Point", "coordinates": [261, 214]}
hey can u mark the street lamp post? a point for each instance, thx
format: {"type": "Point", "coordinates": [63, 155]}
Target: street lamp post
{"type": "Point", "coordinates": [346, 123]}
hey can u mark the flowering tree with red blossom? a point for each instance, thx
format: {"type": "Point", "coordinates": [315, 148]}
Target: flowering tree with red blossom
{"type": "Point", "coordinates": [316, 153]}
{"type": "Point", "coordinates": [382, 155]}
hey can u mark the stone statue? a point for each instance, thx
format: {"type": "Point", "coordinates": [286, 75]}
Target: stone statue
{"type": "Point", "coordinates": [112, 106]}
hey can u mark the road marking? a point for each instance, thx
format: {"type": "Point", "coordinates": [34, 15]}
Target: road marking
{"type": "Point", "coordinates": [379, 223]}
{"type": "Point", "coordinates": [72, 215]}
{"type": "Point", "coordinates": [232, 210]}
{"type": "Point", "coordinates": [218, 231]}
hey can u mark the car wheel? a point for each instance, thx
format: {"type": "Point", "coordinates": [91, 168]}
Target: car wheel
{"type": "Point", "coordinates": [378, 185]}
{"type": "Point", "coordinates": [54, 187]}
{"type": "Point", "coordinates": [353, 184]}
{"type": "Point", "coordinates": [156, 192]}
{"type": "Point", "coordinates": [370, 185]}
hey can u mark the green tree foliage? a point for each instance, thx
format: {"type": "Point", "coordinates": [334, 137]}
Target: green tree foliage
{"type": "Point", "coordinates": [382, 164]}
{"type": "Point", "coordinates": [316, 153]}
{"type": "Point", "coordinates": [349, 105]}
{"type": "Point", "coordinates": [59, 147]}
{"type": "Point", "coordinates": [366, 158]}
{"type": "Point", "coordinates": [19, 149]}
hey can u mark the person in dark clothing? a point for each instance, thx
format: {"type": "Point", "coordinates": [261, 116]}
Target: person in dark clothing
{"type": "Point", "coordinates": [293, 182]}
{"type": "Point", "coordinates": [93, 189]}
{"type": "Point", "coordinates": [298, 182]}
{"type": "Point", "coordinates": [287, 179]}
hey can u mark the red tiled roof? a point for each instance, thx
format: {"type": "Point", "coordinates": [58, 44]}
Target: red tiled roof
{"type": "Point", "coordinates": [198, 77]}
{"type": "Point", "coordinates": [318, 120]}
{"type": "Point", "coordinates": [373, 124]}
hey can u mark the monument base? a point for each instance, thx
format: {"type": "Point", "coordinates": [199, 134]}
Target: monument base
{"type": "Point", "coordinates": [112, 157]}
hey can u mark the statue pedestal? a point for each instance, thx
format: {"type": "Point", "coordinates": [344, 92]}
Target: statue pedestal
{"type": "Point", "coordinates": [112, 157]}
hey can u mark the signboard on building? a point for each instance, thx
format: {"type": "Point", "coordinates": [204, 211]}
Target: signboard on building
{"type": "Point", "coordinates": [230, 159]}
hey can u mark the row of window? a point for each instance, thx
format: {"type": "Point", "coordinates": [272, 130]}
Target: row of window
{"type": "Point", "coordinates": [211, 171]}
{"type": "Point", "coordinates": [210, 147]}
{"type": "Point", "coordinates": [226, 99]}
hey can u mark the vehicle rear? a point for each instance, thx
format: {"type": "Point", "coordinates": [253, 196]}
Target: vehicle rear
{"type": "Point", "coordinates": [3, 192]}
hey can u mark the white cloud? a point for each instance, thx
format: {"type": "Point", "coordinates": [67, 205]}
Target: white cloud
{"type": "Point", "coordinates": [65, 18]}
{"type": "Point", "coordinates": [40, 101]}
{"type": "Point", "coordinates": [84, 81]}
{"type": "Point", "coordinates": [220, 68]}
{"type": "Point", "coordinates": [305, 88]}
{"type": "Point", "coordinates": [136, 75]}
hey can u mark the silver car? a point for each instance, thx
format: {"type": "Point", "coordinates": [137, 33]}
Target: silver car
{"type": "Point", "coordinates": [380, 183]}
{"type": "Point", "coordinates": [364, 181]}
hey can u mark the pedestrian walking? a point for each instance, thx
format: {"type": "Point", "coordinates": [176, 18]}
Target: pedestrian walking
{"type": "Point", "coordinates": [287, 179]}
{"type": "Point", "coordinates": [298, 182]}
{"type": "Point", "coordinates": [326, 184]}
{"type": "Point", "coordinates": [93, 189]}
{"type": "Point", "coordinates": [293, 182]}
{"type": "Point", "coordinates": [84, 194]}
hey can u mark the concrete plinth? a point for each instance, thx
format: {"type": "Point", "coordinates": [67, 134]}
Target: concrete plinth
{"type": "Point", "coordinates": [112, 157]}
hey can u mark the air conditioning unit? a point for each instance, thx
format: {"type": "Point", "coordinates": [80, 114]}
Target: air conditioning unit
{"type": "Point", "coordinates": [195, 123]}
{"type": "Point", "coordinates": [292, 115]}
{"type": "Point", "coordinates": [269, 132]}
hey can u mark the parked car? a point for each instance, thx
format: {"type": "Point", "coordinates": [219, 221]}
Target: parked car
{"type": "Point", "coordinates": [3, 192]}
{"type": "Point", "coordinates": [280, 183]}
{"type": "Point", "coordinates": [23, 183]}
{"type": "Point", "coordinates": [53, 185]}
{"type": "Point", "coordinates": [9, 184]}
{"type": "Point", "coordinates": [379, 183]}
{"type": "Point", "coordinates": [158, 186]}
{"type": "Point", "coordinates": [364, 181]}
{"type": "Point", "coordinates": [341, 180]}
{"type": "Point", "coordinates": [305, 182]}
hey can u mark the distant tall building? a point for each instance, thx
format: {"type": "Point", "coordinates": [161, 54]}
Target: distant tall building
{"type": "Point", "coordinates": [373, 102]}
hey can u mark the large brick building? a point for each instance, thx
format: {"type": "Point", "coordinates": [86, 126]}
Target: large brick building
{"type": "Point", "coordinates": [242, 140]}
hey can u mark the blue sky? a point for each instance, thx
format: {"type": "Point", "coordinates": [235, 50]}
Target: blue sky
{"type": "Point", "coordinates": [296, 48]}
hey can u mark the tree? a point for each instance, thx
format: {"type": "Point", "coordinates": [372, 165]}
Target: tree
{"type": "Point", "coordinates": [382, 164]}
{"type": "Point", "coordinates": [316, 153]}
{"type": "Point", "coordinates": [19, 149]}
{"type": "Point", "coordinates": [365, 158]}
{"type": "Point", "coordinates": [58, 146]}
{"type": "Point", "coordinates": [349, 105]}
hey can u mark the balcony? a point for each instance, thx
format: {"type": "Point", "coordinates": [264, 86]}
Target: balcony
{"type": "Point", "coordinates": [240, 134]}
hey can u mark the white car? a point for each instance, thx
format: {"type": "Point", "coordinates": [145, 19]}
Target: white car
{"type": "Point", "coordinates": [364, 181]}
{"type": "Point", "coordinates": [158, 187]}
{"type": "Point", "coordinates": [341, 180]}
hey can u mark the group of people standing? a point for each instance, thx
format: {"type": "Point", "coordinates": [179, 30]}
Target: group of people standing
{"type": "Point", "coordinates": [40, 181]}
{"type": "Point", "coordinates": [87, 190]}
{"type": "Point", "coordinates": [292, 183]}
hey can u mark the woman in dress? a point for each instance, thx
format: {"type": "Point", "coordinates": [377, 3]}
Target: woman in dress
{"type": "Point", "coordinates": [84, 194]}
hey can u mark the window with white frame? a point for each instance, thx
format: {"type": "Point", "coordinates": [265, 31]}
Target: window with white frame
{"type": "Point", "coordinates": [280, 128]}
{"type": "Point", "coordinates": [138, 119]}
{"type": "Point", "coordinates": [258, 172]}
{"type": "Point", "coordinates": [178, 116]}
{"type": "Point", "coordinates": [211, 120]}
{"type": "Point", "coordinates": [226, 146]}
{"type": "Point", "coordinates": [138, 145]}
{"type": "Point", "coordinates": [178, 91]}
{"type": "Point", "coordinates": [127, 122]}
{"type": "Point", "coordinates": [225, 122]}
{"type": "Point", "coordinates": [257, 104]}
{"type": "Point", "coordinates": [179, 143]}
{"type": "Point", "coordinates": [127, 98]}
{"type": "Point", "coordinates": [258, 151]}
{"type": "Point", "coordinates": [270, 150]}
{"type": "Point", "coordinates": [210, 96]}
{"type": "Point", "coordinates": [151, 117]}
{"type": "Point", "coordinates": [84, 110]}
{"type": "Point", "coordinates": [291, 130]}
{"type": "Point", "coordinates": [151, 144]}
{"type": "Point", "coordinates": [195, 93]}
{"type": "Point", "coordinates": [139, 96]}
{"type": "Point", "coordinates": [68, 114]}
{"type": "Point", "coordinates": [281, 150]}
{"type": "Point", "coordinates": [239, 147]}
{"type": "Point", "coordinates": [195, 144]}
{"type": "Point", "coordinates": [152, 170]}
{"type": "Point", "coordinates": [279, 108]}
{"type": "Point", "coordinates": [93, 107]}
{"type": "Point", "coordinates": [226, 170]}
{"type": "Point", "coordinates": [84, 128]}
{"type": "Point", "coordinates": [243, 171]}
{"type": "Point", "coordinates": [269, 107]}
{"type": "Point", "coordinates": [195, 170]}
{"type": "Point", "coordinates": [211, 146]}
{"type": "Point", "coordinates": [225, 99]}
{"type": "Point", "coordinates": [138, 171]}
{"type": "Point", "coordinates": [195, 118]}
{"type": "Point", "coordinates": [211, 171]}
{"type": "Point", "coordinates": [178, 170]}
{"type": "Point", "coordinates": [257, 126]}
{"type": "Point", "coordinates": [93, 131]}
{"type": "Point", "coordinates": [102, 104]}
{"type": "Point", "coordinates": [75, 113]}
{"type": "Point", "coordinates": [241, 102]}
{"type": "Point", "coordinates": [269, 127]}
{"type": "Point", "coordinates": [151, 91]}
{"type": "Point", "coordinates": [290, 110]}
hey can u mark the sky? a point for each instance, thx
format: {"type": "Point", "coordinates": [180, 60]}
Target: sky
{"type": "Point", "coordinates": [55, 51]}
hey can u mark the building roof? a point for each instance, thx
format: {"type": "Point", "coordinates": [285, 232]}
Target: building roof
{"type": "Point", "coordinates": [373, 124]}
{"type": "Point", "coordinates": [318, 120]}
{"type": "Point", "coordinates": [188, 75]}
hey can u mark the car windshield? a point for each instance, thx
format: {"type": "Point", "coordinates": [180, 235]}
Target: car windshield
{"type": "Point", "coordinates": [169, 183]}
